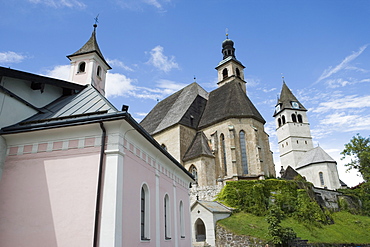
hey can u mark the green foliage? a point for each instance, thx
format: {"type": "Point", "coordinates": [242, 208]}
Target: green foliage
{"type": "Point", "coordinates": [253, 196]}
{"type": "Point", "coordinates": [359, 150]}
{"type": "Point", "coordinates": [362, 194]}
{"type": "Point", "coordinates": [347, 228]}
{"type": "Point", "coordinates": [279, 235]}
{"type": "Point", "coordinates": [308, 211]}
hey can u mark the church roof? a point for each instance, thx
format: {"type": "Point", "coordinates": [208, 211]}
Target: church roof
{"type": "Point", "coordinates": [89, 47]}
{"type": "Point", "coordinates": [213, 206]}
{"type": "Point", "coordinates": [87, 104]}
{"type": "Point", "coordinates": [228, 101]}
{"type": "Point", "coordinates": [286, 98]}
{"type": "Point", "coordinates": [198, 147]}
{"type": "Point", "coordinates": [185, 106]}
{"type": "Point", "coordinates": [315, 156]}
{"type": "Point", "coordinates": [289, 173]}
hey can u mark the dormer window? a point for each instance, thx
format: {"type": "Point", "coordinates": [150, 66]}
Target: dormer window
{"type": "Point", "coordinates": [81, 67]}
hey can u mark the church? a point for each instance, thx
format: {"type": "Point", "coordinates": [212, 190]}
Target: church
{"type": "Point", "coordinates": [295, 144]}
{"type": "Point", "coordinates": [218, 136]}
{"type": "Point", "coordinates": [76, 171]}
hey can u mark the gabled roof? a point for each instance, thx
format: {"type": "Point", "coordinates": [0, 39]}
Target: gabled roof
{"type": "Point", "coordinates": [198, 147]}
{"type": "Point", "coordinates": [289, 173]}
{"type": "Point", "coordinates": [185, 106]}
{"type": "Point", "coordinates": [286, 98]}
{"type": "Point", "coordinates": [89, 47]}
{"type": "Point", "coordinates": [315, 156]}
{"type": "Point", "coordinates": [78, 107]}
{"type": "Point", "coordinates": [228, 101]}
{"type": "Point", "coordinates": [7, 72]}
{"type": "Point", "coordinates": [213, 206]}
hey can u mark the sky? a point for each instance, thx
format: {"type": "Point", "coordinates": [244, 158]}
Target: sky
{"type": "Point", "coordinates": [156, 47]}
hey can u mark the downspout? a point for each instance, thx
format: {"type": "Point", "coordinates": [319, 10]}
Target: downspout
{"type": "Point", "coordinates": [99, 187]}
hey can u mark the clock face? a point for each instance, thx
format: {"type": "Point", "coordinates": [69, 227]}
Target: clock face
{"type": "Point", "coordinates": [295, 105]}
{"type": "Point", "coordinates": [277, 108]}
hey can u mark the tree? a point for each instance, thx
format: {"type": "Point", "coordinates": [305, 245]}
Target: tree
{"type": "Point", "coordinates": [359, 150]}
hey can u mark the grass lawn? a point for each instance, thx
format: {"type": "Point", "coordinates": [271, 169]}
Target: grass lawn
{"type": "Point", "coordinates": [347, 228]}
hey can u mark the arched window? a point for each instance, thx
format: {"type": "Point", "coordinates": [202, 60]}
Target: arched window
{"type": "Point", "coordinates": [300, 118]}
{"type": "Point", "coordinates": [193, 170]}
{"type": "Point", "coordinates": [144, 213]}
{"type": "Point", "coordinates": [81, 67]}
{"type": "Point", "coordinates": [98, 71]}
{"type": "Point", "coordinates": [237, 72]}
{"type": "Point", "coordinates": [182, 220]}
{"type": "Point", "coordinates": [279, 121]}
{"type": "Point", "coordinates": [321, 175]}
{"type": "Point", "coordinates": [243, 151]}
{"type": "Point", "coordinates": [224, 73]}
{"type": "Point", "coordinates": [200, 231]}
{"type": "Point", "coordinates": [167, 218]}
{"type": "Point", "coordinates": [223, 153]}
{"type": "Point", "coordinates": [294, 118]}
{"type": "Point", "coordinates": [283, 118]}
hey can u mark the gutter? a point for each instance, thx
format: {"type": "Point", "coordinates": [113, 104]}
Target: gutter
{"type": "Point", "coordinates": [99, 187]}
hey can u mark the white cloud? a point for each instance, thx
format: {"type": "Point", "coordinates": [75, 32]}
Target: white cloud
{"type": "Point", "coordinates": [60, 3]}
{"type": "Point", "coordinates": [343, 65]}
{"type": "Point", "coordinates": [138, 4]}
{"type": "Point", "coordinates": [118, 85]}
{"type": "Point", "coordinates": [117, 63]}
{"type": "Point", "coordinates": [11, 57]}
{"type": "Point", "coordinates": [154, 3]}
{"type": "Point", "coordinates": [161, 61]}
{"type": "Point", "coordinates": [347, 102]}
{"type": "Point", "coordinates": [59, 72]}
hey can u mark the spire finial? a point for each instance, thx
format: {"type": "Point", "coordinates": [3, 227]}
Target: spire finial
{"type": "Point", "coordinates": [227, 33]}
{"type": "Point", "coordinates": [282, 77]}
{"type": "Point", "coordinates": [195, 79]}
{"type": "Point", "coordinates": [96, 22]}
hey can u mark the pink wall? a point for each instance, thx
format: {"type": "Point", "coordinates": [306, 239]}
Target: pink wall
{"type": "Point", "coordinates": [137, 170]}
{"type": "Point", "coordinates": [48, 198]}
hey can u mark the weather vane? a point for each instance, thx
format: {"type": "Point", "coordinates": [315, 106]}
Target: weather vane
{"type": "Point", "coordinates": [96, 19]}
{"type": "Point", "coordinates": [227, 33]}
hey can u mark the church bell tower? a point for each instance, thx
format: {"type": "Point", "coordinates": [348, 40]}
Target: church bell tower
{"type": "Point", "coordinates": [230, 68]}
{"type": "Point", "coordinates": [88, 65]}
{"type": "Point", "coordinates": [292, 128]}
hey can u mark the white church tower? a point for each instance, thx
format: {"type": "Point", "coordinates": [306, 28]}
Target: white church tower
{"type": "Point", "coordinates": [292, 128]}
{"type": "Point", "coordinates": [88, 65]}
{"type": "Point", "coordinates": [295, 144]}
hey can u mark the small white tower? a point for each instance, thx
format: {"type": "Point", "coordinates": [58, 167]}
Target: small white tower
{"type": "Point", "coordinates": [230, 68]}
{"type": "Point", "coordinates": [88, 65]}
{"type": "Point", "coordinates": [292, 128]}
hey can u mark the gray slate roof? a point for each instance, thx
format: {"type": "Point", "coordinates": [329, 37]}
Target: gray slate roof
{"type": "Point", "coordinates": [315, 156]}
{"type": "Point", "coordinates": [286, 98]}
{"type": "Point", "coordinates": [185, 106]}
{"type": "Point", "coordinates": [214, 207]}
{"type": "Point", "coordinates": [90, 46]}
{"type": "Point", "coordinates": [198, 147]}
{"type": "Point", "coordinates": [228, 101]}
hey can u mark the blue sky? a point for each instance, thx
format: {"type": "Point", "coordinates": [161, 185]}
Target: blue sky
{"type": "Point", "coordinates": [156, 47]}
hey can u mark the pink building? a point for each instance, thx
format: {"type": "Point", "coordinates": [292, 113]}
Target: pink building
{"type": "Point", "coordinates": [75, 171]}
